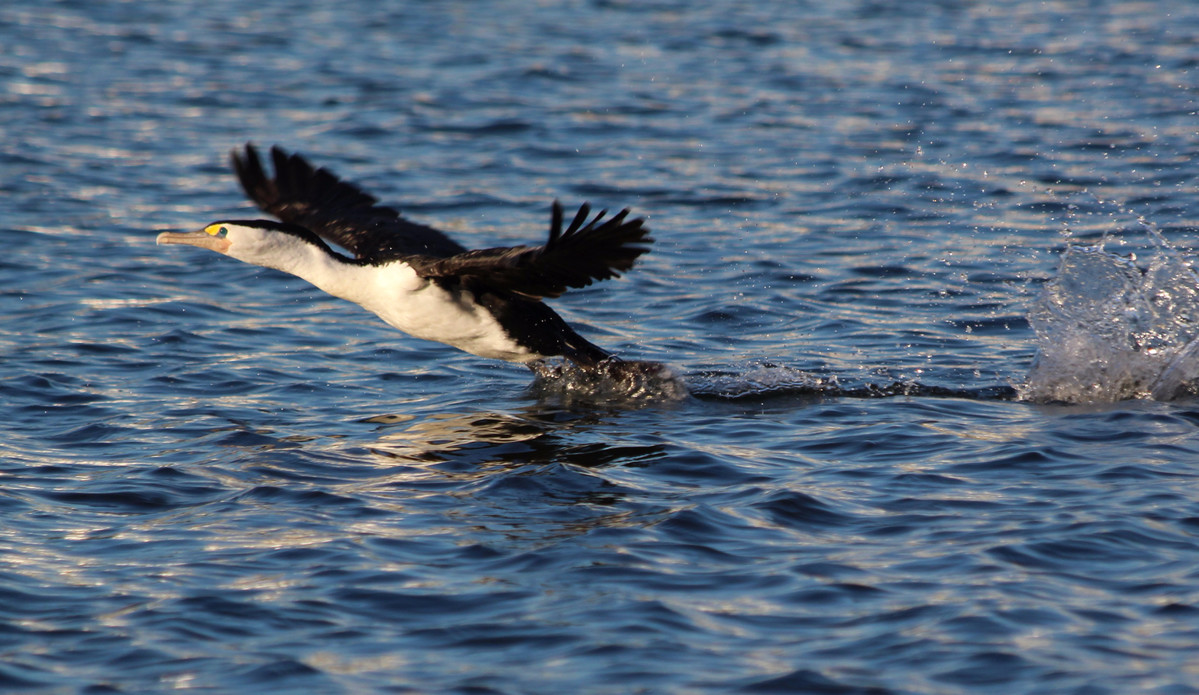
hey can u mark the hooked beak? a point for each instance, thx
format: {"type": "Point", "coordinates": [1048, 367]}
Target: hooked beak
{"type": "Point", "coordinates": [202, 239]}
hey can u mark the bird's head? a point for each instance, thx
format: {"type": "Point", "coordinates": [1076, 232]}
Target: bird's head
{"type": "Point", "coordinates": [258, 242]}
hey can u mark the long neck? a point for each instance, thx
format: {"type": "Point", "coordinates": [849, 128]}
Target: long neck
{"type": "Point", "coordinates": [336, 275]}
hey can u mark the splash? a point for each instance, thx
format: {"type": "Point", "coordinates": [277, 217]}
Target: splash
{"type": "Point", "coordinates": [614, 382]}
{"type": "Point", "coordinates": [636, 384]}
{"type": "Point", "coordinates": [769, 380]}
{"type": "Point", "coordinates": [1110, 329]}
{"type": "Point", "coordinates": [762, 379]}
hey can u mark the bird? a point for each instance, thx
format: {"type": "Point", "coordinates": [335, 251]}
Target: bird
{"type": "Point", "coordinates": [487, 302]}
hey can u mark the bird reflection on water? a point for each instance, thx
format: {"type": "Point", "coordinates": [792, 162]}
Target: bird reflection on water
{"type": "Point", "coordinates": [543, 454]}
{"type": "Point", "coordinates": [478, 441]}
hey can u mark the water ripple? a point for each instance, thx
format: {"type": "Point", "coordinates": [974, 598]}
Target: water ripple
{"type": "Point", "coordinates": [849, 478]}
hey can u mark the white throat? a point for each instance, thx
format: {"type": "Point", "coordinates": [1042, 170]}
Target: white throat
{"type": "Point", "coordinates": [306, 261]}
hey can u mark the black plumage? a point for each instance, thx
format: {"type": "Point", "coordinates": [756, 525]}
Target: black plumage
{"type": "Point", "coordinates": [342, 214]}
{"type": "Point", "coordinates": [587, 251]}
{"type": "Point", "coordinates": [339, 212]}
{"type": "Point", "coordinates": [508, 282]}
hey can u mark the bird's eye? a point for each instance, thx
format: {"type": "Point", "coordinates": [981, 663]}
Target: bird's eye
{"type": "Point", "coordinates": [223, 230]}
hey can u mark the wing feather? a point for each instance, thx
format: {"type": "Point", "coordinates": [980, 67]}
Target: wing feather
{"type": "Point", "coordinates": [336, 210]}
{"type": "Point", "coordinates": [586, 252]}
{"type": "Point", "coordinates": [589, 249]}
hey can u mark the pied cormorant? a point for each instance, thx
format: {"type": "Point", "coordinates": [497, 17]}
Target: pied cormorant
{"type": "Point", "coordinates": [486, 302]}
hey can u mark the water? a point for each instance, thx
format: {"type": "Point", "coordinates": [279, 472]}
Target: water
{"type": "Point", "coordinates": [885, 480]}
{"type": "Point", "coordinates": [1109, 328]}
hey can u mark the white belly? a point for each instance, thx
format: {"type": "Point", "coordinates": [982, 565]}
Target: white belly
{"type": "Point", "coordinates": [422, 309]}
{"type": "Point", "coordinates": [433, 313]}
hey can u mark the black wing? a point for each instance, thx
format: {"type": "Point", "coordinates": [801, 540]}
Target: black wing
{"type": "Point", "coordinates": [338, 211]}
{"type": "Point", "coordinates": [587, 251]}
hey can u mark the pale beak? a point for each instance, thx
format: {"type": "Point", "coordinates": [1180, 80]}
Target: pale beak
{"type": "Point", "coordinates": [202, 239]}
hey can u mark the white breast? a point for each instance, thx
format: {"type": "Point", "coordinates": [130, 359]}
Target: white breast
{"type": "Point", "coordinates": [423, 309]}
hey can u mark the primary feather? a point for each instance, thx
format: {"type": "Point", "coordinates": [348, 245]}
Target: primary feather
{"type": "Point", "coordinates": [338, 211]}
{"type": "Point", "coordinates": [587, 251]}
{"type": "Point", "coordinates": [344, 215]}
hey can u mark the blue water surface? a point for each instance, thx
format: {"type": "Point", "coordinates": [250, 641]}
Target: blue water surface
{"type": "Point", "coordinates": [216, 478]}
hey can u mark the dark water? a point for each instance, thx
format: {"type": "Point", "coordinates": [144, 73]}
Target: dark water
{"type": "Point", "coordinates": [216, 478]}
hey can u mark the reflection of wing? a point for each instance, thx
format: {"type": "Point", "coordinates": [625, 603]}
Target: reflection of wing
{"type": "Point", "coordinates": [585, 252]}
{"type": "Point", "coordinates": [339, 212]}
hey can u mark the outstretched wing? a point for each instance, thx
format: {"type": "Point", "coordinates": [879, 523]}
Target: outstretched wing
{"type": "Point", "coordinates": [337, 211]}
{"type": "Point", "coordinates": [587, 251]}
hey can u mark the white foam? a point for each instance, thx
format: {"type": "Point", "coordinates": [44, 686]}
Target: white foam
{"type": "Point", "coordinates": [615, 382]}
{"type": "Point", "coordinates": [1109, 328]}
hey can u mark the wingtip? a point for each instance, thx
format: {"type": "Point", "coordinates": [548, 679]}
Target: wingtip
{"type": "Point", "coordinates": [248, 169]}
{"type": "Point", "coordinates": [580, 218]}
{"type": "Point", "coordinates": [244, 154]}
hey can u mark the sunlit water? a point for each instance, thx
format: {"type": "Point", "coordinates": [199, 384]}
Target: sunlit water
{"type": "Point", "coordinates": [923, 271]}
